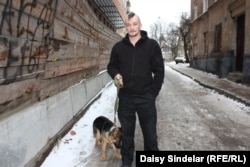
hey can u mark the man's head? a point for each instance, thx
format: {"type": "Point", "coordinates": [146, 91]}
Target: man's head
{"type": "Point", "coordinates": [133, 24]}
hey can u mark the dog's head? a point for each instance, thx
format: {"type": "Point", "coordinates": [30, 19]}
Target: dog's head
{"type": "Point", "coordinates": [116, 136]}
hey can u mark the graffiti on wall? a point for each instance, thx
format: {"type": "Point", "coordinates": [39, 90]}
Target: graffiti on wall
{"type": "Point", "coordinates": [25, 29]}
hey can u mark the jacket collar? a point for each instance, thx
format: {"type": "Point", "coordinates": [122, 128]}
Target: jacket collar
{"type": "Point", "coordinates": [144, 36]}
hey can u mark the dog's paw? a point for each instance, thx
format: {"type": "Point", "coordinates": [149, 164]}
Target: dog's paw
{"type": "Point", "coordinates": [96, 145]}
{"type": "Point", "coordinates": [103, 158]}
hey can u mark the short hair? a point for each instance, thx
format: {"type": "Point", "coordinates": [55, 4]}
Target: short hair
{"type": "Point", "coordinates": [131, 14]}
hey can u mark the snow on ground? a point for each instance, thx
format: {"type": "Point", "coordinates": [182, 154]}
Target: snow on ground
{"type": "Point", "coordinates": [74, 149]}
{"type": "Point", "coordinates": [189, 81]}
{"type": "Point", "coordinates": [187, 65]}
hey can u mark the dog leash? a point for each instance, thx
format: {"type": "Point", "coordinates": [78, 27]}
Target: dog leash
{"type": "Point", "coordinates": [116, 105]}
{"type": "Point", "coordinates": [118, 86]}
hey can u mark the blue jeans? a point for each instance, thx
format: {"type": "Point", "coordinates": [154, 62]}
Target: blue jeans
{"type": "Point", "coordinates": [144, 105]}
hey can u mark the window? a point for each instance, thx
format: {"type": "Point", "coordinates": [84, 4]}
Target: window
{"type": "Point", "coordinates": [217, 38]}
{"type": "Point", "coordinates": [195, 11]}
{"type": "Point", "coordinates": [205, 5]}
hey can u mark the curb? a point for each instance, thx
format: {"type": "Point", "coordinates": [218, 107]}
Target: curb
{"type": "Point", "coordinates": [220, 91]}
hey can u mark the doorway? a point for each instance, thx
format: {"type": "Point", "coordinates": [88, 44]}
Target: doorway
{"type": "Point", "coordinates": [240, 41]}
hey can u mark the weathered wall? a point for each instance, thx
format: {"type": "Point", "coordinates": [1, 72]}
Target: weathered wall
{"type": "Point", "coordinates": [217, 13]}
{"type": "Point", "coordinates": [28, 134]}
{"type": "Point", "coordinates": [220, 61]}
{"type": "Point", "coordinates": [47, 46]}
{"type": "Point", "coordinates": [51, 53]}
{"type": "Point", "coordinates": [246, 70]}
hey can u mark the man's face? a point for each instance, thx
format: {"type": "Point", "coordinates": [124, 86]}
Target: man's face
{"type": "Point", "coordinates": [133, 26]}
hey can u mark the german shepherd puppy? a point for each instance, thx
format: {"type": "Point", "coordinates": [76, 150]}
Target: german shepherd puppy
{"type": "Point", "coordinates": [106, 132]}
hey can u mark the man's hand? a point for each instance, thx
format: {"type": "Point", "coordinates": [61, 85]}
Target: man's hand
{"type": "Point", "coordinates": [118, 81]}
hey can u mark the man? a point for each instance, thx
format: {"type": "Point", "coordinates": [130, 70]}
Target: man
{"type": "Point", "coordinates": [137, 66]}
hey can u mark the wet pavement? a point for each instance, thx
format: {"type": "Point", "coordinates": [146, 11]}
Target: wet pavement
{"type": "Point", "coordinates": [198, 121]}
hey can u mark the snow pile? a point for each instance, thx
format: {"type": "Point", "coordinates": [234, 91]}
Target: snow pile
{"type": "Point", "coordinates": [76, 146]}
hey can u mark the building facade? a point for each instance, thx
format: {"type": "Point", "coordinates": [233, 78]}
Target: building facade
{"type": "Point", "coordinates": [53, 59]}
{"type": "Point", "coordinates": [48, 46]}
{"type": "Point", "coordinates": [220, 37]}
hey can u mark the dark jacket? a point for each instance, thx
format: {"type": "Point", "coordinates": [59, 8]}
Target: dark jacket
{"type": "Point", "coordinates": [141, 66]}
